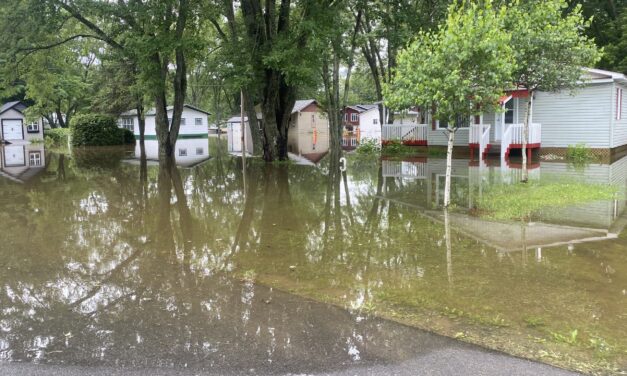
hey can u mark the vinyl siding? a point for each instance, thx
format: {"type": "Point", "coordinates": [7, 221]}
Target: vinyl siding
{"type": "Point", "coordinates": [439, 137]}
{"type": "Point", "coordinates": [13, 114]}
{"type": "Point", "coordinates": [300, 134]}
{"type": "Point", "coordinates": [188, 129]}
{"type": "Point", "coordinates": [582, 118]}
{"type": "Point", "coordinates": [619, 127]}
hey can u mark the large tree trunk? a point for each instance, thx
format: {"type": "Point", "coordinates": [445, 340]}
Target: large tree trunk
{"type": "Point", "coordinates": [525, 175]}
{"type": "Point", "coordinates": [141, 119]}
{"type": "Point", "coordinates": [449, 167]}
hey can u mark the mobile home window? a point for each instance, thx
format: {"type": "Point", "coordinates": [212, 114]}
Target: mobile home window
{"type": "Point", "coordinates": [182, 152]}
{"type": "Point", "coordinates": [198, 121]}
{"type": "Point", "coordinates": [33, 127]}
{"type": "Point", "coordinates": [200, 151]}
{"type": "Point", "coordinates": [127, 123]}
{"type": "Point", "coordinates": [34, 159]}
{"type": "Point", "coordinates": [509, 111]}
{"type": "Point", "coordinates": [619, 103]}
{"type": "Point", "coordinates": [183, 121]}
{"type": "Point", "coordinates": [375, 121]}
{"type": "Point", "coordinates": [353, 117]}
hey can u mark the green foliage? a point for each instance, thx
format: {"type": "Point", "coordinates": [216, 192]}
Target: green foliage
{"type": "Point", "coordinates": [549, 45]}
{"type": "Point", "coordinates": [395, 148]}
{"type": "Point", "coordinates": [520, 201]}
{"type": "Point", "coordinates": [98, 130]}
{"type": "Point", "coordinates": [569, 338]}
{"type": "Point", "coordinates": [579, 154]}
{"type": "Point", "coordinates": [56, 137]}
{"type": "Point", "coordinates": [469, 58]}
{"type": "Point", "coordinates": [368, 147]}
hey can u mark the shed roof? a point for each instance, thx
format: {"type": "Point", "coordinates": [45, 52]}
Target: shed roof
{"type": "Point", "coordinates": [16, 105]}
{"type": "Point", "coordinates": [302, 104]}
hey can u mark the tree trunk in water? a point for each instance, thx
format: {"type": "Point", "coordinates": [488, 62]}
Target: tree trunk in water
{"type": "Point", "coordinates": [449, 247]}
{"type": "Point", "coordinates": [525, 174]}
{"type": "Point", "coordinates": [141, 119]}
{"type": "Point", "coordinates": [449, 167]}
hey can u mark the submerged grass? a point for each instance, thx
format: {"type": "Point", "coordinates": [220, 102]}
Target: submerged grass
{"type": "Point", "coordinates": [520, 201]}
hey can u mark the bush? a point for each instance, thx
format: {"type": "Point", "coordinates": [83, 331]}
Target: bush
{"type": "Point", "coordinates": [98, 130]}
{"type": "Point", "coordinates": [395, 148]}
{"type": "Point", "coordinates": [579, 154]}
{"type": "Point", "coordinates": [128, 136]}
{"type": "Point", "coordinates": [368, 146]}
{"type": "Point", "coordinates": [56, 137]}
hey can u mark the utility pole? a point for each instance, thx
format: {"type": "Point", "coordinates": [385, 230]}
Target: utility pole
{"type": "Point", "coordinates": [243, 126]}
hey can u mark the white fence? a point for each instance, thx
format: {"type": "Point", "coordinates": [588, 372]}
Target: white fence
{"type": "Point", "coordinates": [405, 133]}
{"type": "Point", "coordinates": [513, 134]}
{"type": "Point", "coordinates": [403, 169]}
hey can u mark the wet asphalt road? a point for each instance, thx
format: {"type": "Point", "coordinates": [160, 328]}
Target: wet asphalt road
{"type": "Point", "coordinates": [289, 336]}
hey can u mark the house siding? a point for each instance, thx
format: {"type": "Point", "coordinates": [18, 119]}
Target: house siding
{"type": "Point", "coordinates": [438, 137]}
{"type": "Point", "coordinates": [188, 129]}
{"type": "Point", "coordinates": [14, 114]}
{"type": "Point", "coordinates": [619, 126]}
{"type": "Point", "coordinates": [580, 118]}
{"type": "Point", "coordinates": [367, 126]}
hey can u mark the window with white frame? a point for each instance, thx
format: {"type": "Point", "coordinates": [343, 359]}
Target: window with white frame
{"type": "Point", "coordinates": [354, 117]}
{"type": "Point", "coordinates": [346, 117]}
{"type": "Point", "coordinates": [34, 159]}
{"type": "Point", "coordinates": [182, 152]}
{"type": "Point", "coordinates": [200, 151]}
{"type": "Point", "coordinates": [32, 127]}
{"type": "Point", "coordinates": [198, 121]}
{"type": "Point", "coordinates": [375, 121]}
{"type": "Point", "coordinates": [128, 123]}
{"type": "Point", "coordinates": [619, 103]}
{"type": "Point", "coordinates": [509, 111]}
{"type": "Point", "coordinates": [183, 121]}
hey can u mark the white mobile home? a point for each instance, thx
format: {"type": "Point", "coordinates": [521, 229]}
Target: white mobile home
{"type": "Point", "coordinates": [593, 115]}
{"type": "Point", "coordinates": [361, 122]}
{"type": "Point", "coordinates": [188, 152]}
{"type": "Point", "coordinates": [194, 123]}
{"type": "Point", "coordinates": [15, 128]}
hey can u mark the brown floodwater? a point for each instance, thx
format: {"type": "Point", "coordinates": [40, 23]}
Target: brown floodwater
{"type": "Point", "coordinates": [105, 259]}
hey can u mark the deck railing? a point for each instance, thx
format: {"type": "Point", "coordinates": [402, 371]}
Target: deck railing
{"type": "Point", "coordinates": [404, 133]}
{"type": "Point", "coordinates": [404, 169]}
{"type": "Point", "coordinates": [350, 140]}
{"type": "Point", "coordinates": [480, 135]}
{"type": "Point", "coordinates": [514, 134]}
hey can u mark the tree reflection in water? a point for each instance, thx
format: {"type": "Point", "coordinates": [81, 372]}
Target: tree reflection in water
{"type": "Point", "coordinates": [112, 263]}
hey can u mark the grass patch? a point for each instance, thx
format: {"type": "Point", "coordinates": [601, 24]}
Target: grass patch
{"type": "Point", "coordinates": [520, 201]}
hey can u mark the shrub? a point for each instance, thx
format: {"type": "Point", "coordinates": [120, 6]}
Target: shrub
{"type": "Point", "coordinates": [98, 130]}
{"type": "Point", "coordinates": [128, 136]}
{"type": "Point", "coordinates": [56, 137]}
{"type": "Point", "coordinates": [579, 154]}
{"type": "Point", "coordinates": [368, 146]}
{"type": "Point", "coordinates": [396, 148]}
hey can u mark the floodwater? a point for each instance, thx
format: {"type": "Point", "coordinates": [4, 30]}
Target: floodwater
{"type": "Point", "coordinates": [108, 260]}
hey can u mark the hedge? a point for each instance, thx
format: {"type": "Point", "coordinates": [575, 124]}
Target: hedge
{"type": "Point", "coordinates": [98, 130]}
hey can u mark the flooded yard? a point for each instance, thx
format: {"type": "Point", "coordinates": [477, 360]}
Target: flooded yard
{"type": "Point", "coordinates": [111, 260]}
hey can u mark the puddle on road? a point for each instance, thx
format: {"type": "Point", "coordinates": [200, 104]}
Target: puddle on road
{"type": "Point", "coordinates": [108, 261]}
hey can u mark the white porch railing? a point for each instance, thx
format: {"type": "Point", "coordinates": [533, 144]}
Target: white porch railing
{"type": "Point", "coordinates": [404, 133]}
{"type": "Point", "coordinates": [480, 135]}
{"type": "Point", "coordinates": [513, 135]}
{"type": "Point", "coordinates": [350, 140]}
{"type": "Point", "coordinates": [404, 169]}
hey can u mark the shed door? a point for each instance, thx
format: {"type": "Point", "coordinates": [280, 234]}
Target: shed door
{"type": "Point", "coordinates": [12, 130]}
{"type": "Point", "coordinates": [14, 156]}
